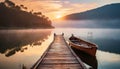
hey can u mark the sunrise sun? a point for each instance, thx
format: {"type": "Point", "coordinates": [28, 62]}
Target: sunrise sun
{"type": "Point", "coordinates": [58, 16]}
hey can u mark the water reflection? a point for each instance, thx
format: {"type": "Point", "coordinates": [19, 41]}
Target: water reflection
{"type": "Point", "coordinates": [12, 41]}
{"type": "Point", "coordinates": [108, 44]}
{"type": "Point", "coordinates": [33, 43]}
{"type": "Point", "coordinates": [106, 39]}
{"type": "Point", "coordinates": [87, 59]}
{"type": "Point", "coordinates": [107, 60]}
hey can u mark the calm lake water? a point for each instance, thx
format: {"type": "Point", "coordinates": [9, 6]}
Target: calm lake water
{"type": "Point", "coordinates": [25, 47]}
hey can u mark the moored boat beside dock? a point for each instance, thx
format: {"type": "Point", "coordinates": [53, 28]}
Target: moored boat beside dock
{"type": "Point", "coordinates": [83, 45]}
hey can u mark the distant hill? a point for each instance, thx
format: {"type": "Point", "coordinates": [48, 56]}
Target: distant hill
{"type": "Point", "coordinates": [111, 11]}
{"type": "Point", "coordinates": [17, 16]}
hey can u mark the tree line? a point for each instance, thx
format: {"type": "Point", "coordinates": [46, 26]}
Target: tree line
{"type": "Point", "coordinates": [12, 15]}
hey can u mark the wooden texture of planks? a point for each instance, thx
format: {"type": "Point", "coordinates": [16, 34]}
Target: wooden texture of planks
{"type": "Point", "coordinates": [59, 56]}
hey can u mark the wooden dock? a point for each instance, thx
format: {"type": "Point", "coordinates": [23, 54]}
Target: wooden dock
{"type": "Point", "coordinates": [59, 56]}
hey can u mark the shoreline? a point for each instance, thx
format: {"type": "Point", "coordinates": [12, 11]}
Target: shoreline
{"type": "Point", "coordinates": [18, 28]}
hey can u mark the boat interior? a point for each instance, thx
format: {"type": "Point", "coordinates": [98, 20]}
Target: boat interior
{"type": "Point", "coordinates": [81, 42]}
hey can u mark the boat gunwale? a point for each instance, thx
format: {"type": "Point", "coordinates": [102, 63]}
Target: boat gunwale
{"type": "Point", "coordinates": [93, 44]}
{"type": "Point", "coordinates": [79, 45]}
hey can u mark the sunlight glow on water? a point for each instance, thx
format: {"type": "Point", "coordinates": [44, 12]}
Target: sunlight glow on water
{"type": "Point", "coordinates": [109, 57]}
{"type": "Point", "coordinates": [28, 56]}
{"type": "Point", "coordinates": [107, 60]}
{"type": "Point", "coordinates": [28, 45]}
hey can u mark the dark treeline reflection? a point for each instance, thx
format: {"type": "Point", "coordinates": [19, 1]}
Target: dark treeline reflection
{"type": "Point", "coordinates": [12, 41]}
{"type": "Point", "coordinates": [86, 58]}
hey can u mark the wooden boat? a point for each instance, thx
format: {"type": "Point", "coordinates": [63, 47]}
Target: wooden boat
{"type": "Point", "coordinates": [83, 45]}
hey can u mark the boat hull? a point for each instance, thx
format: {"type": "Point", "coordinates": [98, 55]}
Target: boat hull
{"type": "Point", "coordinates": [91, 49]}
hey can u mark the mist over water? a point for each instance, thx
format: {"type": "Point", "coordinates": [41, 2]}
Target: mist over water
{"type": "Point", "coordinates": [22, 47]}
{"type": "Point", "coordinates": [18, 47]}
{"type": "Point", "coordinates": [106, 39]}
{"type": "Point", "coordinates": [87, 23]}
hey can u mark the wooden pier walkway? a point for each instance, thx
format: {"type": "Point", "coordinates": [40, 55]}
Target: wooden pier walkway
{"type": "Point", "coordinates": [59, 56]}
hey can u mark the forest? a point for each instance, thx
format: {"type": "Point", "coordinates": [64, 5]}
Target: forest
{"type": "Point", "coordinates": [17, 16]}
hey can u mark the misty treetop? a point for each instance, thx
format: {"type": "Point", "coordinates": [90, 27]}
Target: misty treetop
{"type": "Point", "coordinates": [17, 16]}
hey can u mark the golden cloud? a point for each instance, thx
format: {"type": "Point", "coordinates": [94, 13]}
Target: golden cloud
{"type": "Point", "coordinates": [52, 8]}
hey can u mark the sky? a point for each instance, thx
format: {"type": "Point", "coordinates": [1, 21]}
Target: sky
{"type": "Point", "coordinates": [57, 8]}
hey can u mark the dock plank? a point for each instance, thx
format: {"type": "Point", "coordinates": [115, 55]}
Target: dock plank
{"type": "Point", "coordinates": [59, 56]}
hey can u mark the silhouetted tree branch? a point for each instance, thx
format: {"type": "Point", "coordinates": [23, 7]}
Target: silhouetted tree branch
{"type": "Point", "coordinates": [12, 15]}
